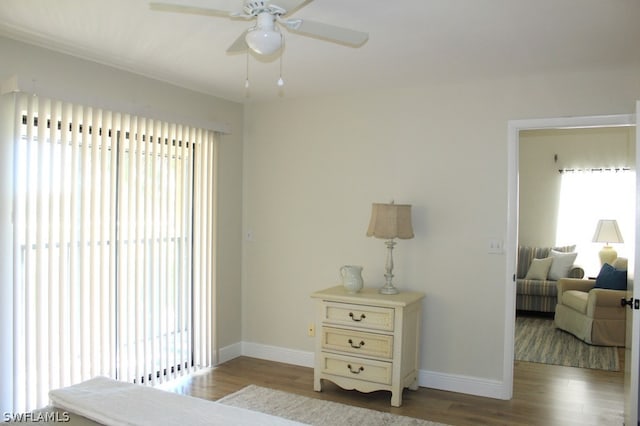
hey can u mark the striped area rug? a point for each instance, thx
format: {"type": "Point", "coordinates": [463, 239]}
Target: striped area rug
{"type": "Point", "coordinates": [314, 411]}
{"type": "Point", "coordinates": [537, 340]}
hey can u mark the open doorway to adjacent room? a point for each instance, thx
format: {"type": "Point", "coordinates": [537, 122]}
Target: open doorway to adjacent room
{"type": "Point", "coordinates": [535, 203]}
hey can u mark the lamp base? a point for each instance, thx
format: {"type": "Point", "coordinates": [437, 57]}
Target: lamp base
{"type": "Point", "coordinates": [607, 255]}
{"type": "Point", "coordinates": [388, 287]}
{"type": "Point", "coordinates": [388, 290]}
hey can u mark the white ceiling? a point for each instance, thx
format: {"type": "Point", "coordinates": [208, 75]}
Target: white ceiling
{"type": "Point", "coordinates": [410, 41]}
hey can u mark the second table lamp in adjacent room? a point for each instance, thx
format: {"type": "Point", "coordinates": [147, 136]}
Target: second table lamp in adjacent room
{"type": "Point", "coordinates": [607, 232]}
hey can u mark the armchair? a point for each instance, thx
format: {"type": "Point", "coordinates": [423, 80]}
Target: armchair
{"type": "Point", "coordinates": [593, 315]}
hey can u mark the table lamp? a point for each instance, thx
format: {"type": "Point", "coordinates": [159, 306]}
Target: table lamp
{"type": "Point", "coordinates": [607, 232]}
{"type": "Point", "coordinates": [389, 221]}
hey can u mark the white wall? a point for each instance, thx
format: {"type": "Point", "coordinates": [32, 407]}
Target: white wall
{"type": "Point", "coordinates": [314, 166]}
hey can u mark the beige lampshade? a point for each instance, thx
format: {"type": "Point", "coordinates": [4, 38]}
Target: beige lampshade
{"type": "Point", "coordinates": [390, 221]}
{"type": "Point", "coordinates": [607, 231]}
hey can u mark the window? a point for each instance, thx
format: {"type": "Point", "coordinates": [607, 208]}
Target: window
{"type": "Point", "coordinates": [590, 195]}
{"type": "Point", "coordinates": [113, 248]}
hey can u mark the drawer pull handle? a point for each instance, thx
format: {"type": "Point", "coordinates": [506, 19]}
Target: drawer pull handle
{"type": "Point", "coordinates": [358, 346]}
{"type": "Point", "coordinates": [362, 316]}
{"type": "Point", "coordinates": [355, 371]}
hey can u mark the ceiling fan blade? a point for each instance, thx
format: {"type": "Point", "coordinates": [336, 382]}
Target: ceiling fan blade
{"type": "Point", "coordinates": [240, 45]}
{"type": "Point", "coordinates": [171, 7]}
{"type": "Point", "coordinates": [291, 5]}
{"type": "Point", "coordinates": [327, 32]}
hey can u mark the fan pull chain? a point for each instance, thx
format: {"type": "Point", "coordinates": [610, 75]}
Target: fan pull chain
{"type": "Point", "coordinates": [280, 80]}
{"type": "Point", "coordinates": [246, 81]}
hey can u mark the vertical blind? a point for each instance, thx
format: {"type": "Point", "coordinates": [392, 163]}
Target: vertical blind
{"type": "Point", "coordinates": [114, 262]}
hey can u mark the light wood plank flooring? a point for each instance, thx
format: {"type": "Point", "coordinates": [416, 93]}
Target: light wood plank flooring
{"type": "Point", "coordinates": [543, 394]}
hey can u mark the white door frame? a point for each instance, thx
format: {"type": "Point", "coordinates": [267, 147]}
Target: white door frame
{"type": "Point", "coordinates": [632, 351]}
{"type": "Point", "coordinates": [514, 128]}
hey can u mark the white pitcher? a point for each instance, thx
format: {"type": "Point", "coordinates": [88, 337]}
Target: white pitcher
{"type": "Point", "coordinates": [352, 278]}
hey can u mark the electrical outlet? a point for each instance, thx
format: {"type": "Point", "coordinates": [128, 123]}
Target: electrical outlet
{"type": "Point", "coordinates": [311, 330]}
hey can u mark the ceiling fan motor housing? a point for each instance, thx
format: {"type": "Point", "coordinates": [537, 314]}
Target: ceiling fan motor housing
{"type": "Point", "coordinates": [255, 8]}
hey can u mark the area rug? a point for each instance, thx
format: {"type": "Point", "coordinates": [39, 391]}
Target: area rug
{"type": "Point", "coordinates": [537, 340]}
{"type": "Point", "coordinates": [314, 411]}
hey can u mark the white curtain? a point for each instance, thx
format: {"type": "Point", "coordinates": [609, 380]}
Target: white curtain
{"type": "Point", "coordinates": [588, 196]}
{"type": "Point", "coordinates": [113, 247]}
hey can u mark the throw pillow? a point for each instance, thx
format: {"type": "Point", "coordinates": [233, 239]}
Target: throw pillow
{"type": "Point", "coordinates": [539, 269]}
{"type": "Point", "coordinates": [526, 256]}
{"type": "Point", "coordinates": [561, 265]}
{"type": "Point", "coordinates": [611, 278]}
{"type": "Point", "coordinates": [565, 249]}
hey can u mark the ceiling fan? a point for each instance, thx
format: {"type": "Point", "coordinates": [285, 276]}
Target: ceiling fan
{"type": "Point", "coordinates": [264, 37]}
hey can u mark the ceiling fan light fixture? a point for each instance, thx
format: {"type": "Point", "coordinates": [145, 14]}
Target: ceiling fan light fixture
{"type": "Point", "coordinates": [264, 39]}
{"type": "Point", "coordinates": [264, 42]}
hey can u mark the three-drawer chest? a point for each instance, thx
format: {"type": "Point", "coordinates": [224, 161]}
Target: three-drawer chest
{"type": "Point", "coordinates": [368, 341]}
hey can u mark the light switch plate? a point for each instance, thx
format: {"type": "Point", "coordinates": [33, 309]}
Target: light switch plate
{"type": "Point", "coordinates": [496, 246]}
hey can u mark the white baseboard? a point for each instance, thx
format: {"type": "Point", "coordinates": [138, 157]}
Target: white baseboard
{"type": "Point", "coordinates": [462, 384]}
{"type": "Point", "coordinates": [279, 354]}
{"type": "Point", "coordinates": [229, 352]}
{"type": "Point", "coordinates": [428, 379]}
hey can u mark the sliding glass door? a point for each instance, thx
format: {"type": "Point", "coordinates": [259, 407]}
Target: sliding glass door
{"type": "Point", "coordinates": [113, 247]}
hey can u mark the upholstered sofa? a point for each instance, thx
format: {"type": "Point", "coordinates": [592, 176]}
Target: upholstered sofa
{"type": "Point", "coordinates": [536, 276]}
{"type": "Point", "coordinates": [591, 310]}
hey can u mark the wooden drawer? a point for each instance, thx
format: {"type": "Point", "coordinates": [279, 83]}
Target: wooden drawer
{"type": "Point", "coordinates": [372, 317]}
{"type": "Point", "coordinates": [356, 368]}
{"type": "Point", "coordinates": [357, 342]}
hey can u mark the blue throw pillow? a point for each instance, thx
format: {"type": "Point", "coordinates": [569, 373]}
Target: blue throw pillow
{"type": "Point", "coordinates": [611, 278]}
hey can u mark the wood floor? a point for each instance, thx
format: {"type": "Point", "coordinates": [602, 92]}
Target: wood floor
{"type": "Point", "coordinates": [543, 394]}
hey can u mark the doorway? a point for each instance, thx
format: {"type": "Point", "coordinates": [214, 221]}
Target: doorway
{"type": "Point", "coordinates": [514, 129]}
{"type": "Point", "coordinates": [568, 180]}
